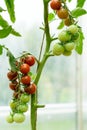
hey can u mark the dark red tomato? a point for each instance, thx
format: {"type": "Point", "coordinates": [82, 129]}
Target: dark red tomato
{"type": "Point", "coordinates": [31, 89]}
{"type": "Point", "coordinates": [62, 13]}
{"type": "Point", "coordinates": [55, 4]}
{"type": "Point", "coordinates": [24, 68]}
{"type": "Point", "coordinates": [30, 60]}
{"type": "Point", "coordinates": [13, 85]}
{"type": "Point", "coordinates": [12, 75]}
{"type": "Point", "coordinates": [26, 80]}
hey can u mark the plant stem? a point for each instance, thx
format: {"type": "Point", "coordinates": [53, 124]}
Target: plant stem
{"type": "Point", "coordinates": [34, 97]}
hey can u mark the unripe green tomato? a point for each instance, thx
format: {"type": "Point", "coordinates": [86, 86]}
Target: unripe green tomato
{"type": "Point", "coordinates": [73, 29]}
{"type": "Point", "coordinates": [67, 53]}
{"type": "Point", "coordinates": [19, 117]}
{"type": "Point", "coordinates": [58, 49]}
{"type": "Point", "coordinates": [64, 36]}
{"type": "Point", "coordinates": [22, 108]}
{"type": "Point", "coordinates": [69, 46]}
{"type": "Point", "coordinates": [9, 119]}
{"type": "Point", "coordinates": [13, 104]}
{"type": "Point", "coordinates": [24, 98]}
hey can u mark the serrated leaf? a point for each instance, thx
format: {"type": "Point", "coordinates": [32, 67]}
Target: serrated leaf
{"type": "Point", "coordinates": [1, 49]}
{"type": "Point", "coordinates": [80, 3]}
{"type": "Point", "coordinates": [79, 43]}
{"type": "Point", "coordinates": [12, 61]}
{"type": "Point", "coordinates": [5, 32]}
{"type": "Point", "coordinates": [78, 12]}
{"type": "Point", "coordinates": [10, 8]}
{"type": "Point", "coordinates": [4, 24]}
{"type": "Point", "coordinates": [1, 9]}
{"type": "Point", "coordinates": [61, 25]}
{"type": "Point", "coordinates": [51, 17]}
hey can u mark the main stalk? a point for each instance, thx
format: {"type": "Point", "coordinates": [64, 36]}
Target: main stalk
{"type": "Point", "coordinates": [34, 97]}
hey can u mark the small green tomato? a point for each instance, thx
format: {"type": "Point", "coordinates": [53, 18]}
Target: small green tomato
{"type": "Point", "coordinates": [64, 36]}
{"type": "Point", "coordinates": [58, 49]}
{"type": "Point", "coordinates": [69, 46]}
{"type": "Point", "coordinates": [25, 98]}
{"type": "Point", "coordinates": [22, 107]}
{"type": "Point", "coordinates": [9, 119]}
{"type": "Point", "coordinates": [67, 53]}
{"type": "Point", "coordinates": [73, 29]}
{"type": "Point", "coordinates": [19, 117]}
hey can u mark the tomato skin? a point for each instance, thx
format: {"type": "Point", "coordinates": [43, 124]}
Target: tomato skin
{"type": "Point", "coordinates": [24, 98]}
{"type": "Point", "coordinates": [68, 21]}
{"type": "Point", "coordinates": [69, 46]}
{"type": "Point", "coordinates": [13, 85]}
{"type": "Point", "coordinates": [15, 95]}
{"type": "Point", "coordinates": [62, 13]}
{"type": "Point", "coordinates": [30, 60]}
{"type": "Point", "coordinates": [24, 68]}
{"type": "Point", "coordinates": [55, 4]}
{"type": "Point", "coordinates": [26, 80]}
{"type": "Point", "coordinates": [73, 29]}
{"type": "Point", "coordinates": [12, 75]}
{"type": "Point", "coordinates": [31, 89]}
{"type": "Point", "coordinates": [9, 119]}
{"type": "Point", "coordinates": [13, 104]}
{"type": "Point", "coordinates": [19, 117]}
{"type": "Point", "coordinates": [58, 49]}
{"type": "Point", "coordinates": [22, 108]}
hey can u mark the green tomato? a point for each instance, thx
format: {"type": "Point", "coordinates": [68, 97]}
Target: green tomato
{"type": "Point", "coordinates": [73, 29]}
{"type": "Point", "coordinates": [75, 36]}
{"type": "Point", "coordinates": [64, 36]}
{"type": "Point", "coordinates": [9, 119]}
{"type": "Point", "coordinates": [22, 108]}
{"type": "Point", "coordinates": [69, 46]}
{"type": "Point", "coordinates": [24, 98]}
{"type": "Point", "coordinates": [19, 117]}
{"type": "Point", "coordinates": [13, 104]}
{"type": "Point", "coordinates": [67, 53]}
{"type": "Point", "coordinates": [58, 49]}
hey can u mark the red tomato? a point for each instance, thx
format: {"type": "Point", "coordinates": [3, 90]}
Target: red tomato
{"type": "Point", "coordinates": [55, 4]}
{"type": "Point", "coordinates": [26, 80]}
{"type": "Point", "coordinates": [13, 85]}
{"type": "Point", "coordinates": [24, 68]}
{"type": "Point", "coordinates": [12, 75]}
{"type": "Point", "coordinates": [31, 89]}
{"type": "Point", "coordinates": [30, 60]}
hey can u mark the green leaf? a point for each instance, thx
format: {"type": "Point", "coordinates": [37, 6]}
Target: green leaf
{"type": "Point", "coordinates": [1, 9]}
{"type": "Point", "coordinates": [79, 43]}
{"type": "Point", "coordinates": [51, 17]}
{"type": "Point", "coordinates": [10, 8]}
{"type": "Point", "coordinates": [1, 49]}
{"type": "Point", "coordinates": [4, 24]}
{"type": "Point", "coordinates": [80, 3]}
{"type": "Point", "coordinates": [69, 0]}
{"type": "Point", "coordinates": [12, 61]}
{"type": "Point", "coordinates": [61, 25]}
{"type": "Point", "coordinates": [5, 32]}
{"type": "Point", "coordinates": [78, 12]}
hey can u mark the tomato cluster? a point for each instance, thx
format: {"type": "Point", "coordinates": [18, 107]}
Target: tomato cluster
{"type": "Point", "coordinates": [67, 41]}
{"type": "Point", "coordinates": [61, 11]}
{"type": "Point", "coordinates": [22, 85]}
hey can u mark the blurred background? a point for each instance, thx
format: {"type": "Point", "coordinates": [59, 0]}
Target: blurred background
{"type": "Point", "coordinates": [62, 87]}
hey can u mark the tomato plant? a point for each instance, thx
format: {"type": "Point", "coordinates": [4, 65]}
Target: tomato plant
{"type": "Point", "coordinates": [23, 81]}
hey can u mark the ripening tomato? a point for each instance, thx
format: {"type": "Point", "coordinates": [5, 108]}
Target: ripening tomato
{"type": "Point", "coordinates": [31, 89]}
{"type": "Point", "coordinates": [26, 80]}
{"type": "Point", "coordinates": [24, 68]}
{"type": "Point", "coordinates": [62, 13]}
{"type": "Point", "coordinates": [15, 94]}
{"type": "Point", "coordinates": [30, 60]}
{"type": "Point", "coordinates": [68, 21]}
{"type": "Point", "coordinates": [55, 4]}
{"type": "Point", "coordinates": [12, 75]}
